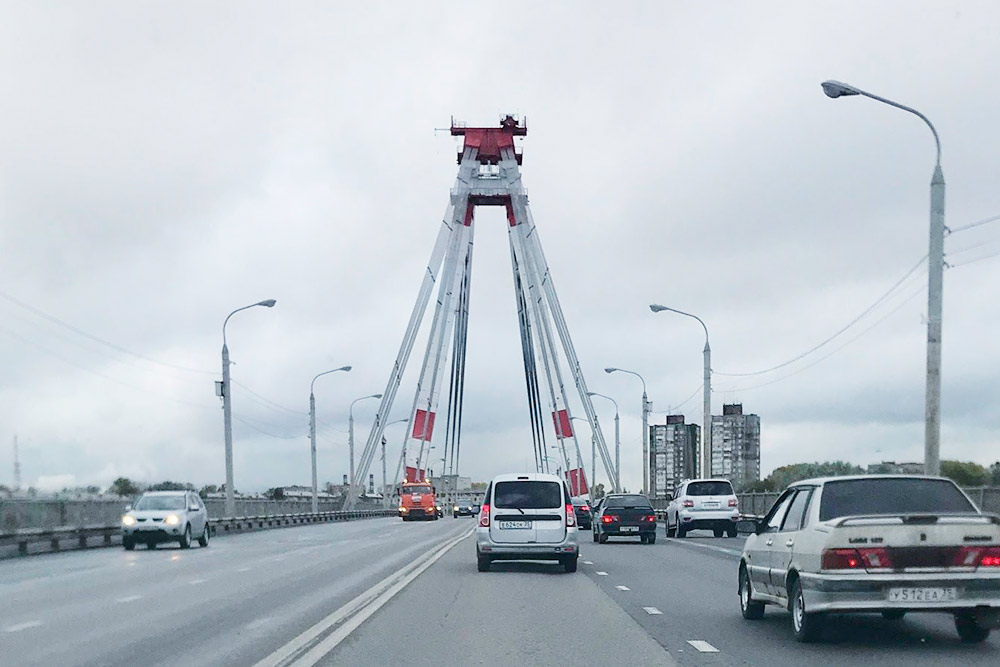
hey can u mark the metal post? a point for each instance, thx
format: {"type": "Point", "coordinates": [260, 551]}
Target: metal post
{"type": "Point", "coordinates": [312, 451]}
{"type": "Point", "coordinates": [706, 438]}
{"type": "Point", "coordinates": [593, 466]}
{"type": "Point", "coordinates": [618, 460]}
{"type": "Point", "coordinates": [935, 289]}
{"type": "Point", "coordinates": [385, 493]}
{"type": "Point", "coordinates": [227, 417]}
{"type": "Point", "coordinates": [350, 446]}
{"type": "Point", "coordinates": [645, 441]}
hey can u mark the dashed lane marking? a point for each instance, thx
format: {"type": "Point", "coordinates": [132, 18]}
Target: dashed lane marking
{"type": "Point", "coordinates": [601, 574]}
{"type": "Point", "coordinates": [653, 611]}
{"type": "Point", "coordinates": [703, 646]}
{"type": "Point", "coordinates": [22, 626]}
{"type": "Point", "coordinates": [197, 581]}
{"type": "Point", "coordinates": [623, 588]}
{"type": "Point", "coordinates": [244, 569]}
{"type": "Point", "coordinates": [724, 550]}
{"type": "Point", "coordinates": [129, 598]}
{"type": "Point", "coordinates": [588, 562]}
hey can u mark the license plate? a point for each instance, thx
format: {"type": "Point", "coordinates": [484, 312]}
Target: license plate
{"type": "Point", "coordinates": [713, 506]}
{"type": "Point", "coordinates": [515, 525]}
{"type": "Point", "coordinates": [922, 594]}
{"type": "Point", "coordinates": [629, 529]}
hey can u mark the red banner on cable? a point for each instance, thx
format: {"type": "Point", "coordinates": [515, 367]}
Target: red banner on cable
{"type": "Point", "coordinates": [563, 427]}
{"type": "Point", "coordinates": [577, 482]}
{"type": "Point", "coordinates": [423, 425]}
{"type": "Point", "coordinates": [414, 475]}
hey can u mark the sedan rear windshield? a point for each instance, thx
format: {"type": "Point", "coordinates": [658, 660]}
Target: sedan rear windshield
{"type": "Point", "coordinates": [147, 503]}
{"type": "Point", "coordinates": [627, 502]}
{"type": "Point", "coordinates": [527, 495]}
{"type": "Point", "coordinates": [891, 496]}
{"type": "Point", "coordinates": [710, 489]}
{"type": "Point", "coordinates": [409, 490]}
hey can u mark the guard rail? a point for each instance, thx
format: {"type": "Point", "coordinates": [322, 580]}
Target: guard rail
{"type": "Point", "coordinates": [47, 540]}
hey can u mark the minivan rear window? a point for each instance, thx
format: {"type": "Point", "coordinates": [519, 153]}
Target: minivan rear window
{"type": "Point", "coordinates": [527, 495]}
{"type": "Point", "coordinates": [710, 489]}
{"type": "Point", "coordinates": [891, 496]}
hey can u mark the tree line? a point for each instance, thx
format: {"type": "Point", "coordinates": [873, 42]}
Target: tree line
{"type": "Point", "coordinates": [963, 473]}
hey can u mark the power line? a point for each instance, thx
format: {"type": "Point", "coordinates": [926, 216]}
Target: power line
{"type": "Point", "coordinates": [268, 401]}
{"type": "Point", "coordinates": [975, 259]}
{"type": "Point", "coordinates": [985, 221]}
{"type": "Point", "coordinates": [247, 423]}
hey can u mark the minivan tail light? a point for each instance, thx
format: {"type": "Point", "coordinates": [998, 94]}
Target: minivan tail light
{"type": "Point", "coordinates": [484, 516]}
{"type": "Point", "coordinates": [570, 515]}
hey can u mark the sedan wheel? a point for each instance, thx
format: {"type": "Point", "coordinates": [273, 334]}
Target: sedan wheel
{"type": "Point", "coordinates": [807, 626]}
{"type": "Point", "coordinates": [751, 609]}
{"type": "Point", "coordinates": [595, 535]}
{"type": "Point", "coordinates": [602, 538]}
{"type": "Point", "coordinates": [969, 629]}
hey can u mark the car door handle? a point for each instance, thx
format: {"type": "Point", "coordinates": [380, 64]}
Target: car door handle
{"type": "Point", "coordinates": [789, 543]}
{"type": "Point", "coordinates": [768, 543]}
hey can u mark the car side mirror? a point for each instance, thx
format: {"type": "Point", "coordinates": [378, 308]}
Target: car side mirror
{"type": "Point", "coordinates": [746, 527]}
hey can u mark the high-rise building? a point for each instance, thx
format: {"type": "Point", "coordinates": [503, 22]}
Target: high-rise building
{"type": "Point", "coordinates": [673, 455]}
{"type": "Point", "coordinates": [736, 445]}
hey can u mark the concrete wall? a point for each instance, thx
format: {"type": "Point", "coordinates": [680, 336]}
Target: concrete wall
{"type": "Point", "coordinates": [49, 513]}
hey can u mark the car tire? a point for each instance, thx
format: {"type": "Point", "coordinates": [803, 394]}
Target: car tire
{"type": "Point", "coordinates": [651, 539]}
{"type": "Point", "coordinates": [595, 535]}
{"type": "Point", "coordinates": [671, 532]}
{"type": "Point", "coordinates": [643, 539]}
{"type": "Point", "coordinates": [602, 538]}
{"type": "Point", "coordinates": [893, 614]}
{"type": "Point", "coordinates": [969, 629]}
{"type": "Point", "coordinates": [718, 532]}
{"type": "Point", "coordinates": [751, 609]}
{"type": "Point", "coordinates": [731, 531]}
{"type": "Point", "coordinates": [569, 564]}
{"type": "Point", "coordinates": [150, 545]}
{"type": "Point", "coordinates": [205, 536]}
{"type": "Point", "coordinates": [185, 540]}
{"type": "Point", "coordinates": [482, 563]}
{"type": "Point", "coordinates": [128, 543]}
{"type": "Point", "coordinates": [807, 627]}
{"type": "Point", "coordinates": [680, 531]}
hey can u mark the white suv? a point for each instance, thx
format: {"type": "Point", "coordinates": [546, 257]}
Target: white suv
{"type": "Point", "coordinates": [703, 503]}
{"type": "Point", "coordinates": [527, 517]}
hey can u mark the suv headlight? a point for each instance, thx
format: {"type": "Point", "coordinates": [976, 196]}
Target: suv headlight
{"type": "Point", "coordinates": [128, 520]}
{"type": "Point", "coordinates": [172, 520]}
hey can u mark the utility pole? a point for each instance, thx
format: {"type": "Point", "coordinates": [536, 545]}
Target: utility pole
{"type": "Point", "coordinates": [312, 433]}
{"type": "Point", "coordinates": [17, 466]}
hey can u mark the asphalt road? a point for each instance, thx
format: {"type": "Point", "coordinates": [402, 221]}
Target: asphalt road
{"type": "Point", "coordinates": [231, 603]}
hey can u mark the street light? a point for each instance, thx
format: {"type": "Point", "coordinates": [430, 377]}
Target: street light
{"type": "Point", "coordinates": [617, 444]}
{"type": "Point", "coordinates": [227, 408]}
{"type": "Point", "coordinates": [935, 285]}
{"type": "Point", "coordinates": [312, 434]}
{"type": "Point", "coordinates": [645, 428]}
{"type": "Point", "coordinates": [402, 455]}
{"type": "Point", "coordinates": [350, 436]}
{"type": "Point", "coordinates": [706, 429]}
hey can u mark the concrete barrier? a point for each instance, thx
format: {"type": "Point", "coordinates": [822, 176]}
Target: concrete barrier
{"type": "Point", "coordinates": [30, 541]}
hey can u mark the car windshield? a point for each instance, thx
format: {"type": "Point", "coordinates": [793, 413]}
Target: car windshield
{"type": "Point", "coordinates": [891, 496]}
{"type": "Point", "coordinates": [710, 489]}
{"type": "Point", "coordinates": [410, 490]}
{"type": "Point", "coordinates": [527, 495]}
{"type": "Point", "coordinates": [147, 503]}
{"type": "Point", "coordinates": [628, 502]}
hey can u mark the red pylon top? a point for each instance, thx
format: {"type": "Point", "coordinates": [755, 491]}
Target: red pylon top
{"type": "Point", "coordinates": [490, 140]}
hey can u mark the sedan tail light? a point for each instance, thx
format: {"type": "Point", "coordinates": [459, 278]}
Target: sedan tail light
{"type": "Point", "coordinates": [570, 515]}
{"type": "Point", "coordinates": [585, 508]}
{"type": "Point", "coordinates": [608, 518]}
{"type": "Point", "coordinates": [855, 559]}
{"type": "Point", "coordinates": [651, 518]}
{"type": "Point", "coordinates": [688, 503]}
{"type": "Point", "coordinates": [977, 557]}
{"type": "Point", "coordinates": [484, 516]}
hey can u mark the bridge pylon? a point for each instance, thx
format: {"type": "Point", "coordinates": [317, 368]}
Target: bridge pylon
{"type": "Point", "coordinates": [489, 175]}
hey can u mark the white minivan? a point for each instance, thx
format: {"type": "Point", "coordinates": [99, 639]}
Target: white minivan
{"type": "Point", "coordinates": [527, 517]}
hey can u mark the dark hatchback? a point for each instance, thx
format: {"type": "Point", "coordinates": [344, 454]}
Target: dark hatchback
{"type": "Point", "coordinates": [465, 508]}
{"type": "Point", "coordinates": [625, 515]}
{"type": "Point", "coordinates": [582, 510]}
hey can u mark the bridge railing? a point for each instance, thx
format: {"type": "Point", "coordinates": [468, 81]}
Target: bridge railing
{"type": "Point", "coordinates": [29, 541]}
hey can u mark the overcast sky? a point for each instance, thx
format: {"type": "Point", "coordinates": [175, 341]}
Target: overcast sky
{"type": "Point", "coordinates": [165, 163]}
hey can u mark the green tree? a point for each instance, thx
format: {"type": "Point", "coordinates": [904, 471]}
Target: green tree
{"type": "Point", "coordinates": [785, 475]}
{"type": "Point", "coordinates": [995, 474]}
{"type": "Point", "coordinates": [965, 473]}
{"type": "Point", "coordinates": [171, 486]}
{"type": "Point", "coordinates": [123, 486]}
{"type": "Point", "coordinates": [276, 493]}
{"type": "Point", "coordinates": [598, 490]}
{"type": "Point", "coordinates": [207, 489]}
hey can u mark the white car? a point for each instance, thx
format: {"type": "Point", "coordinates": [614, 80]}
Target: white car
{"type": "Point", "coordinates": [708, 504]}
{"type": "Point", "coordinates": [166, 516]}
{"type": "Point", "coordinates": [888, 544]}
{"type": "Point", "coordinates": [527, 517]}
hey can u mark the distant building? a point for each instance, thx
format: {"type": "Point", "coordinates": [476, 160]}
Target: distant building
{"type": "Point", "coordinates": [893, 468]}
{"type": "Point", "coordinates": [673, 455]}
{"type": "Point", "coordinates": [736, 445]}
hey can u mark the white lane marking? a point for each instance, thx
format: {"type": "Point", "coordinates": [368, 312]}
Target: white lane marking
{"type": "Point", "coordinates": [652, 611]}
{"type": "Point", "coordinates": [129, 598]}
{"type": "Point", "coordinates": [588, 562]}
{"type": "Point", "coordinates": [196, 581]}
{"type": "Point", "coordinates": [259, 622]}
{"type": "Point", "coordinates": [623, 588]}
{"type": "Point", "coordinates": [703, 646]}
{"type": "Point", "coordinates": [362, 607]}
{"type": "Point", "coordinates": [244, 569]}
{"type": "Point", "coordinates": [601, 574]}
{"type": "Point", "coordinates": [732, 552]}
{"type": "Point", "coordinates": [22, 626]}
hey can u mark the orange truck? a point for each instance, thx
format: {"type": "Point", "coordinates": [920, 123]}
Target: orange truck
{"type": "Point", "coordinates": [417, 500]}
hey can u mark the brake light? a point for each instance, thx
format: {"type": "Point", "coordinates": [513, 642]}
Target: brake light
{"type": "Point", "coordinates": [570, 515]}
{"type": "Point", "coordinates": [608, 518]}
{"type": "Point", "coordinates": [978, 557]}
{"type": "Point", "coordinates": [585, 508]}
{"type": "Point", "coordinates": [688, 503]}
{"type": "Point", "coordinates": [484, 516]}
{"type": "Point", "coordinates": [855, 559]}
{"type": "Point", "coordinates": [733, 502]}
{"type": "Point", "coordinates": [651, 518]}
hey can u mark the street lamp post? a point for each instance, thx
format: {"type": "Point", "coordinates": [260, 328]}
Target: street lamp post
{"type": "Point", "coordinates": [312, 434]}
{"type": "Point", "coordinates": [706, 429]}
{"type": "Point", "coordinates": [645, 429]}
{"type": "Point", "coordinates": [350, 437]}
{"type": "Point", "coordinates": [617, 441]}
{"type": "Point", "coordinates": [402, 457]}
{"type": "Point", "coordinates": [935, 285]}
{"type": "Point", "coordinates": [227, 407]}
